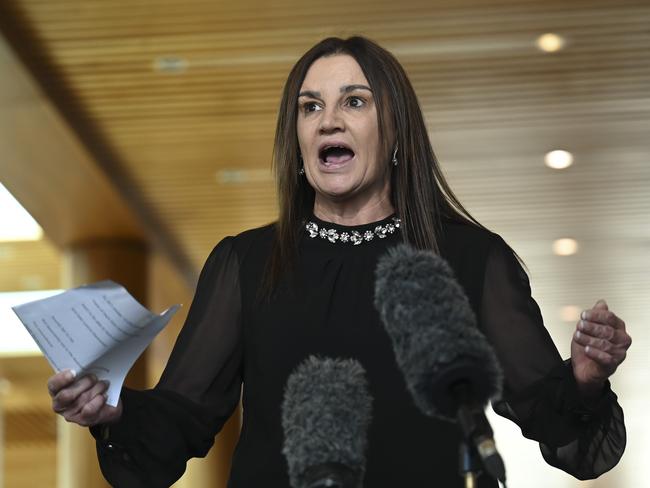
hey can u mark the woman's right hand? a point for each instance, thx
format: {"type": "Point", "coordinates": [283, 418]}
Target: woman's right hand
{"type": "Point", "coordinates": [81, 400]}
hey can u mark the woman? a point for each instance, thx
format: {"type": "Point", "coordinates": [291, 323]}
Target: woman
{"type": "Point", "coordinates": [356, 175]}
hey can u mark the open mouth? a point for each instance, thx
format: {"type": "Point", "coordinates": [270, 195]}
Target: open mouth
{"type": "Point", "coordinates": [330, 155]}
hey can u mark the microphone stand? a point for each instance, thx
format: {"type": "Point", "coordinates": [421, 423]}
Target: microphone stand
{"type": "Point", "coordinates": [477, 449]}
{"type": "Point", "coordinates": [468, 463]}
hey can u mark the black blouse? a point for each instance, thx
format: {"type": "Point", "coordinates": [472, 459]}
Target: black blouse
{"type": "Point", "coordinates": [232, 337]}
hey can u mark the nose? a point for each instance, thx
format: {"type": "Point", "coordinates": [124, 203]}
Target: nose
{"type": "Point", "coordinates": [331, 120]}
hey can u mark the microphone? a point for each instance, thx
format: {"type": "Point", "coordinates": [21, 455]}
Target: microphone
{"type": "Point", "coordinates": [449, 367]}
{"type": "Point", "coordinates": [325, 416]}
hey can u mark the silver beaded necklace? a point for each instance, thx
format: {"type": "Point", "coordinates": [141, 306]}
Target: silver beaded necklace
{"type": "Point", "coordinates": [355, 237]}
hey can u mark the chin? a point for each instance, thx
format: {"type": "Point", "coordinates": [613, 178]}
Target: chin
{"type": "Point", "coordinates": [335, 189]}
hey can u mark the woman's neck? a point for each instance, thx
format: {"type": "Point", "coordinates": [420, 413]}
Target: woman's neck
{"type": "Point", "coordinates": [348, 214]}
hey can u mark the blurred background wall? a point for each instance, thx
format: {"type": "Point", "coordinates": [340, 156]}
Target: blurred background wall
{"type": "Point", "coordinates": [138, 134]}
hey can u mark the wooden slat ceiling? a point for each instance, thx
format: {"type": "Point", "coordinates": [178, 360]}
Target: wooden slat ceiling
{"type": "Point", "coordinates": [185, 93]}
{"type": "Point", "coordinates": [29, 266]}
{"type": "Point", "coordinates": [474, 66]}
{"type": "Point", "coordinates": [195, 143]}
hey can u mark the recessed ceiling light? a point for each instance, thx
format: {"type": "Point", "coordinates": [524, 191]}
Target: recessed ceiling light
{"type": "Point", "coordinates": [558, 159]}
{"type": "Point", "coordinates": [570, 313]}
{"type": "Point", "coordinates": [170, 64]}
{"type": "Point", "coordinates": [565, 246]}
{"type": "Point", "coordinates": [550, 43]}
{"type": "Point", "coordinates": [231, 176]}
{"type": "Point", "coordinates": [15, 222]}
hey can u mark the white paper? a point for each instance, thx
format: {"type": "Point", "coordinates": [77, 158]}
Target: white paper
{"type": "Point", "coordinates": [99, 329]}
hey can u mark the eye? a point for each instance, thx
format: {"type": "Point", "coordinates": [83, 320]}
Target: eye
{"type": "Point", "coordinates": [309, 107]}
{"type": "Point", "coordinates": [355, 102]}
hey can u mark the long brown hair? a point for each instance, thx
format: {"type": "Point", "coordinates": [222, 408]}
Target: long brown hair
{"type": "Point", "coordinates": [420, 194]}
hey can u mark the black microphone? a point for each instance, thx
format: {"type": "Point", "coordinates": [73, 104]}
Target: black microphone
{"type": "Point", "coordinates": [449, 367]}
{"type": "Point", "coordinates": [325, 416]}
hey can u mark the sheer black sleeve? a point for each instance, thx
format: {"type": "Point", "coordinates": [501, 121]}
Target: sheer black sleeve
{"type": "Point", "coordinates": [540, 393]}
{"type": "Point", "coordinates": [162, 428]}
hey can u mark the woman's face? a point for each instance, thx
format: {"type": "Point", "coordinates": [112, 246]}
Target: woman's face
{"type": "Point", "coordinates": [338, 133]}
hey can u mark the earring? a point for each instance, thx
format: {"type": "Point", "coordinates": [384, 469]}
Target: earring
{"type": "Point", "coordinates": [394, 160]}
{"type": "Point", "coordinates": [301, 171]}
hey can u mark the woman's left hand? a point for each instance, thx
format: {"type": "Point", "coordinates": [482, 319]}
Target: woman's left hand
{"type": "Point", "coordinates": [599, 345]}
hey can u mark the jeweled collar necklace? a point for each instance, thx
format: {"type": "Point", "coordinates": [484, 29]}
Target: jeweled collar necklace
{"type": "Point", "coordinates": [351, 236]}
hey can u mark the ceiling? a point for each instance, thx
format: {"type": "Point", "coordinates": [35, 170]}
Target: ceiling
{"type": "Point", "coordinates": [175, 102]}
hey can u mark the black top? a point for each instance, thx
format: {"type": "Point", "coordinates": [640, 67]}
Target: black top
{"type": "Point", "coordinates": [232, 337]}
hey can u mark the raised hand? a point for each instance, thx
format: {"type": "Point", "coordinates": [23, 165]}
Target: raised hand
{"type": "Point", "coordinates": [598, 347]}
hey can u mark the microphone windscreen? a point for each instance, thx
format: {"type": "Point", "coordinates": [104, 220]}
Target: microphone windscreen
{"type": "Point", "coordinates": [433, 331]}
{"type": "Point", "coordinates": [325, 416]}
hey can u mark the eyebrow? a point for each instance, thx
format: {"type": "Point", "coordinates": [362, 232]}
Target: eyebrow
{"type": "Point", "coordinates": [344, 89]}
{"type": "Point", "coordinates": [310, 94]}
{"type": "Point", "coordinates": [349, 88]}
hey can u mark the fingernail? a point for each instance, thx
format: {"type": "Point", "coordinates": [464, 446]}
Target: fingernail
{"type": "Point", "coordinates": [587, 349]}
{"type": "Point", "coordinates": [577, 334]}
{"type": "Point", "coordinates": [581, 325]}
{"type": "Point", "coordinates": [583, 315]}
{"type": "Point", "coordinates": [71, 373]}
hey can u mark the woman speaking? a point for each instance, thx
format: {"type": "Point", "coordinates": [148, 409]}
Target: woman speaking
{"type": "Point", "coordinates": [356, 175]}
